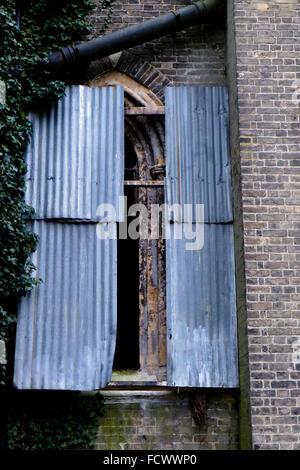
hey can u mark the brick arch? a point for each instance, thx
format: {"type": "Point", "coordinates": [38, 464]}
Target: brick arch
{"type": "Point", "coordinates": [135, 93]}
{"type": "Point", "coordinates": [142, 72]}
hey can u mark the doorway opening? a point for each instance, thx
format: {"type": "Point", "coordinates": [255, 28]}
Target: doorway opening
{"type": "Point", "coordinates": [127, 344]}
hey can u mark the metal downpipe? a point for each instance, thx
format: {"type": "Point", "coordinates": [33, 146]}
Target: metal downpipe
{"type": "Point", "coordinates": [196, 13]}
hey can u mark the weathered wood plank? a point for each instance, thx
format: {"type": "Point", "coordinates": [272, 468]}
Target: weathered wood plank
{"type": "Point", "coordinates": [141, 111]}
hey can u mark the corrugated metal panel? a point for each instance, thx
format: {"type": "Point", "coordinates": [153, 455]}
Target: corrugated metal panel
{"type": "Point", "coordinates": [201, 303]}
{"type": "Point", "coordinates": [201, 311]}
{"type": "Point", "coordinates": [76, 154]}
{"type": "Point", "coordinates": [66, 328]}
{"type": "Point", "coordinates": [197, 145]}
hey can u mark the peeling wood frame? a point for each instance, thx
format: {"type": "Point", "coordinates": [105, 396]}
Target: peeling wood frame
{"type": "Point", "coordinates": [144, 127]}
{"type": "Point", "coordinates": [146, 133]}
{"type": "Point", "coordinates": [143, 183]}
{"type": "Point", "coordinates": [142, 111]}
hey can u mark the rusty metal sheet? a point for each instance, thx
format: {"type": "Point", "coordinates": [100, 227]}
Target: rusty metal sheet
{"type": "Point", "coordinates": [66, 329]}
{"type": "Point", "coordinates": [197, 149]}
{"type": "Point", "coordinates": [75, 157]}
{"type": "Point", "coordinates": [201, 311]}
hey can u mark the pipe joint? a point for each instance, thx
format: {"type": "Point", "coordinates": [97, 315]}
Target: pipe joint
{"type": "Point", "coordinates": [69, 55]}
{"type": "Point", "coordinates": [200, 10]}
{"type": "Point", "coordinates": [196, 13]}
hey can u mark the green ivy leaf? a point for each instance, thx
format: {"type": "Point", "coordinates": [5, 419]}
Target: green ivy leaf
{"type": "Point", "coordinates": [46, 25]}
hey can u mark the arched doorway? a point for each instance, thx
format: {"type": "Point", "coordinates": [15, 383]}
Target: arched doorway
{"type": "Point", "coordinates": [141, 334]}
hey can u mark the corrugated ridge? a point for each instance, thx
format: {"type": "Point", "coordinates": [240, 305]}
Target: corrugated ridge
{"type": "Point", "coordinates": [201, 310]}
{"type": "Point", "coordinates": [75, 156]}
{"type": "Point", "coordinates": [67, 325]}
{"type": "Point", "coordinates": [197, 148]}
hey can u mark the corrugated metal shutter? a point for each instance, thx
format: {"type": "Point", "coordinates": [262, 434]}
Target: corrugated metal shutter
{"type": "Point", "coordinates": [66, 329]}
{"type": "Point", "coordinates": [75, 156]}
{"type": "Point", "coordinates": [201, 302]}
{"type": "Point", "coordinates": [198, 159]}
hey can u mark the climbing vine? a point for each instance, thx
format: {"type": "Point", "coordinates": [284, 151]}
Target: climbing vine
{"type": "Point", "coordinates": [53, 421]}
{"type": "Point", "coordinates": [30, 30]}
{"type": "Point", "coordinates": [106, 5]}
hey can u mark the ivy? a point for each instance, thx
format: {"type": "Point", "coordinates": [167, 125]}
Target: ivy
{"type": "Point", "coordinates": [45, 420]}
{"type": "Point", "coordinates": [45, 26]}
{"type": "Point", "coordinates": [53, 421]}
{"type": "Point", "coordinates": [107, 6]}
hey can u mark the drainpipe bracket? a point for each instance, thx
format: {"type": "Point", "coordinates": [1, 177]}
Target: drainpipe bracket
{"type": "Point", "coordinates": [69, 55]}
{"type": "Point", "coordinates": [201, 10]}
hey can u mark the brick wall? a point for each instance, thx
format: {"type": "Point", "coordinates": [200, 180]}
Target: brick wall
{"type": "Point", "coordinates": [267, 65]}
{"type": "Point", "coordinates": [192, 57]}
{"type": "Point", "coordinates": [163, 421]}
